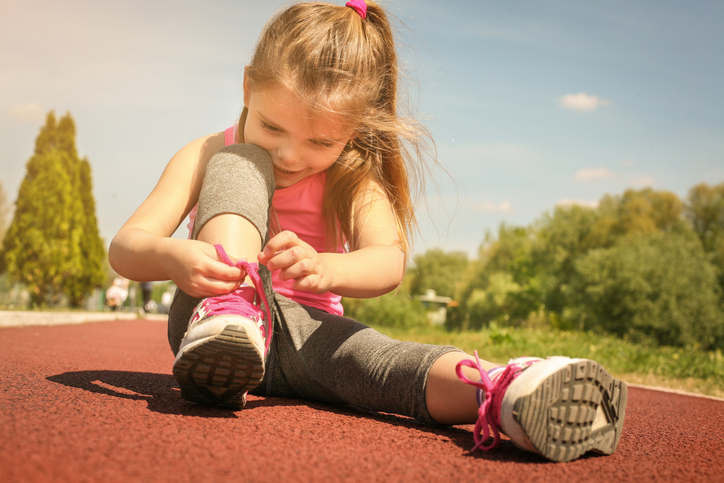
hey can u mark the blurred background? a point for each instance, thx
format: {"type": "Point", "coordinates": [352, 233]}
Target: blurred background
{"type": "Point", "coordinates": [580, 149]}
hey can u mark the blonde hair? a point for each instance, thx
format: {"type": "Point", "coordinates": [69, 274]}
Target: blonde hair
{"type": "Point", "coordinates": [341, 64]}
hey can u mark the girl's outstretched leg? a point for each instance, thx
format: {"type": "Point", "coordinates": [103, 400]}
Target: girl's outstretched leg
{"type": "Point", "coordinates": [449, 400]}
{"type": "Point", "coordinates": [222, 353]}
{"type": "Point", "coordinates": [558, 407]}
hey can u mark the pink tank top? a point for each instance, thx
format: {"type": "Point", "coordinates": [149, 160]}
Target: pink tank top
{"type": "Point", "coordinates": [298, 209]}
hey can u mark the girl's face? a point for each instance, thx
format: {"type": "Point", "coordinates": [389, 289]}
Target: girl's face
{"type": "Point", "coordinates": [300, 145]}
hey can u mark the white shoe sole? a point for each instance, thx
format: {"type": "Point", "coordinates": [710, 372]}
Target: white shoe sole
{"type": "Point", "coordinates": [561, 408]}
{"type": "Point", "coordinates": [219, 361]}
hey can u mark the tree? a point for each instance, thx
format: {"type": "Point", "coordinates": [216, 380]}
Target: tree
{"type": "Point", "coordinates": [561, 238]}
{"type": "Point", "coordinates": [4, 211]}
{"type": "Point", "coordinates": [705, 212]}
{"type": "Point", "coordinates": [498, 302]}
{"type": "Point", "coordinates": [52, 245]}
{"type": "Point", "coordinates": [537, 269]}
{"type": "Point", "coordinates": [636, 211]}
{"type": "Point", "coordinates": [92, 271]}
{"type": "Point", "coordinates": [501, 286]}
{"type": "Point", "coordinates": [658, 286]}
{"type": "Point", "coordinates": [570, 233]}
{"type": "Point", "coordinates": [439, 271]}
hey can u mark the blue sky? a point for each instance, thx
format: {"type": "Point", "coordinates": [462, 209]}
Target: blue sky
{"type": "Point", "coordinates": [531, 104]}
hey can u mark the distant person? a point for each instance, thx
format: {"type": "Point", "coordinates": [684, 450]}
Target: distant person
{"type": "Point", "coordinates": [148, 304]}
{"type": "Point", "coordinates": [312, 183]}
{"type": "Point", "coordinates": [166, 301]}
{"type": "Point", "coordinates": [117, 293]}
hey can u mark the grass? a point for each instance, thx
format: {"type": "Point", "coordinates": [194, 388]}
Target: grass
{"type": "Point", "coordinates": [674, 368]}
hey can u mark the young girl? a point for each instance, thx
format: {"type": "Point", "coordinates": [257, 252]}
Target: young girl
{"type": "Point", "coordinates": [312, 183]}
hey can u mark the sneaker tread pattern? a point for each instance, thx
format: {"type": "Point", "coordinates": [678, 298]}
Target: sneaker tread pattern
{"type": "Point", "coordinates": [220, 371]}
{"type": "Point", "coordinates": [558, 416]}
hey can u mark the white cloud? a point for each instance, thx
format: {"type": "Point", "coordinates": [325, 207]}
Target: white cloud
{"type": "Point", "coordinates": [582, 102]}
{"type": "Point", "coordinates": [28, 112]}
{"type": "Point", "coordinates": [585, 203]}
{"type": "Point", "coordinates": [643, 181]}
{"type": "Point", "coordinates": [490, 207]}
{"type": "Point", "coordinates": [592, 174]}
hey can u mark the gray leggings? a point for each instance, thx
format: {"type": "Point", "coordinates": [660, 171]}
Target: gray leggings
{"type": "Point", "coordinates": [314, 355]}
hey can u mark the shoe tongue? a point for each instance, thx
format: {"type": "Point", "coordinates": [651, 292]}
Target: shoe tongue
{"type": "Point", "coordinates": [247, 292]}
{"type": "Point", "coordinates": [495, 373]}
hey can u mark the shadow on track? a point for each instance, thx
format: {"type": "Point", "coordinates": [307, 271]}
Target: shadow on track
{"type": "Point", "coordinates": [159, 390]}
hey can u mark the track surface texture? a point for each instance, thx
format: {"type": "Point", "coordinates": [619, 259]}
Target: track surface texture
{"type": "Point", "coordinates": [97, 402]}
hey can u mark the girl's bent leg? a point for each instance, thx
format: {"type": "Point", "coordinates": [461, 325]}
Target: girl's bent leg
{"type": "Point", "coordinates": [223, 351]}
{"type": "Point", "coordinates": [234, 201]}
{"type": "Point", "coordinates": [233, 211]}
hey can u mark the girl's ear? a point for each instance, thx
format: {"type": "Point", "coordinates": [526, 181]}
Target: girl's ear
{"type": "Point", "coordinates": [247, 88]}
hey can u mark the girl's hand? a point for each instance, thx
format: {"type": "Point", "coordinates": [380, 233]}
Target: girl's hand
{"type": "Point", "coordinates": [297, 260]}
{"type": "Point", "coordinates": [196, 269]}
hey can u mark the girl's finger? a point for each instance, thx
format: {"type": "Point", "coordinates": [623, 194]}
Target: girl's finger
{"type": "Point", "coordinates": [307, 283]}
{"type": "Point", "coordinates": [286, 258]}
{"type": "Point", "coordinates": [280, 242]}
{"type": "Point", "coordinates": [209, 288]}
{"type": "Point", "coordinates": [223, 272]}
{"type": "Point", "coordinates": [219, 288]}
{"type": "Point", "coordinates": [302, 269]}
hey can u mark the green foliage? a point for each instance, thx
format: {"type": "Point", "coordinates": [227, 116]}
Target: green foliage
{"type": "Point", "coordinates": [496, 303]}
{"type": "Point", "coordinates": [502, 286]}
{"type": "Point", "coordinates": [656, 285]}
{"type": "Point", "coordinates": [645, 211]}
{"type": "Point", "coordinates": [396, 309]}
{"type": "Point", "coordinates": [439, 271]}
{"type": "Point", "coordinates": [52, 245]}
{"type": "Point", "coordinates": [4, 212]}
{"type": "Point", "coordinates": [560, 238]}
{"type": "Point", "coordinates": [632, 266]}
{"type": "Point", "coordinates": [705, 212]}
{"type": "Point", "coordinates": [91, 271]}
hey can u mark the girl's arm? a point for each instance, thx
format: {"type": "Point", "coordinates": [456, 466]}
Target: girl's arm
{"type": "Point", "coordinates": [142, 250]}
{"type": "Point", "coordinates": [373, 267]}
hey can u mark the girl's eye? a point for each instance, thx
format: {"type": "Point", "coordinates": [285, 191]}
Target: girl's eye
{"type": "Point", "coordinates": [323, 144]}
{"type": "Point", "coordinates": [269, 127]}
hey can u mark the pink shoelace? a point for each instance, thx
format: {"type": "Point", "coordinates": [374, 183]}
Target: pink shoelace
{"type": "Point", "coordinates": [234, 303]}
{"type": "Point", "coordinates": [490, 398]}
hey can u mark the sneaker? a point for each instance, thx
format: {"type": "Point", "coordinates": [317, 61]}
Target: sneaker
{"type": "Point", "coordinates": [558, 407]}
{"type": "Point", "coordinates": [222, 354]}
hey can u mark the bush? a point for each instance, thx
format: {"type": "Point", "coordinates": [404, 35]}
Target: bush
{"type": "Point", "coordinates": [396, 309]}
{"type": "Point", "coordinates": [651, 286]}
{"type": "Point", "coordinates": [495, 304]}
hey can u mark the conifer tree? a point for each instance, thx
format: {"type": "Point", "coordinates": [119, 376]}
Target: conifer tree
{"type": "Point", "coordinates": [53, 245]}
{"type": "Point", "coordinates": [4, 212]}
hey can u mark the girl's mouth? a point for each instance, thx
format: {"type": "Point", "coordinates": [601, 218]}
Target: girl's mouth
{"type": "Point", "coordinates": [286, 171]}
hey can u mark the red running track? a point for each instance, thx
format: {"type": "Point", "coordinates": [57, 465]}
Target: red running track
{"type": "Point", "coordinates": [97, 402]}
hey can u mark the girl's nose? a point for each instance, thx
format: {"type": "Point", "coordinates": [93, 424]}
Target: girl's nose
{"type": "Point", "coordinates": [289, 153]}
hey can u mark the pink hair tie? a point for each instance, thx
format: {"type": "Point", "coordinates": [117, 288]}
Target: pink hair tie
{"type": "Point", "coordinates": [359, 6]}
